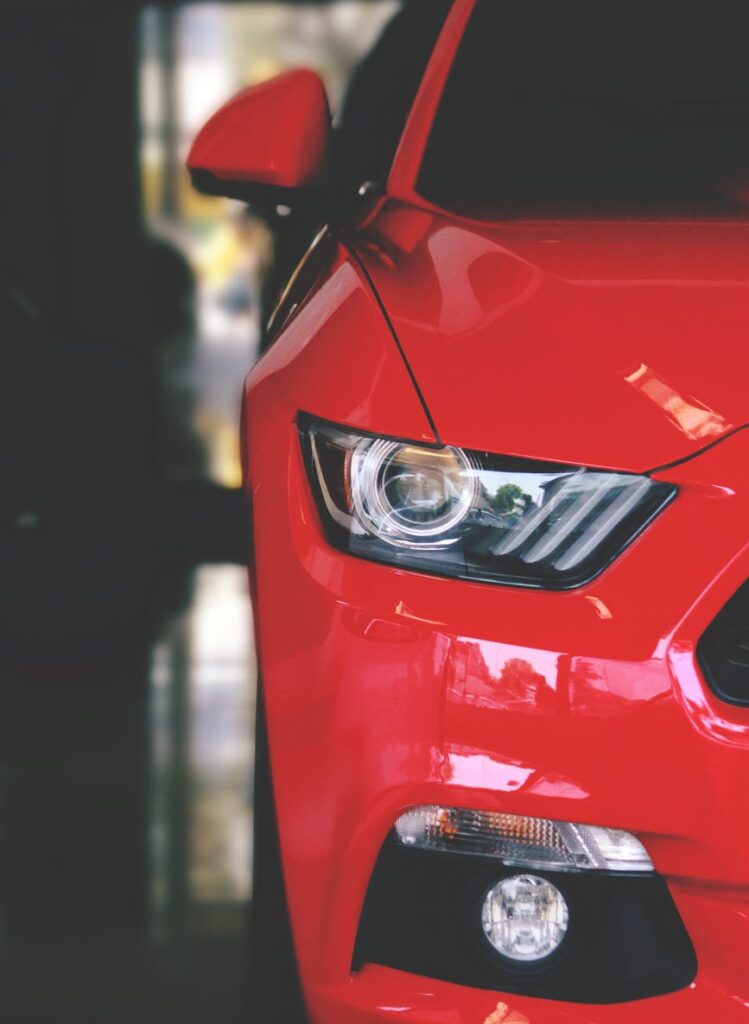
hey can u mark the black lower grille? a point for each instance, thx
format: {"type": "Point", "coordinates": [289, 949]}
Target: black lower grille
{"type": "Point", "coordinates": [625, 941]}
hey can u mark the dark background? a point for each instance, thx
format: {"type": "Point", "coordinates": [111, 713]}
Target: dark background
{"type": "Point", "coordinates": [130, 311]}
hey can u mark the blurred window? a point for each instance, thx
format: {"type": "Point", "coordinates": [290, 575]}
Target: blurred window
{"type": "Point", "coordinates": [581, 109]}
{"type": "Point", "coordinates": [209, 258]}
{"type": "Point", "coordinates": [213, 256]}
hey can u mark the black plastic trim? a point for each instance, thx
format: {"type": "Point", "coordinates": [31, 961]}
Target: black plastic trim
{"type": "Point", "coordinates": [723, 650]}
{"type": "Point", "coordinates": [625, 939]}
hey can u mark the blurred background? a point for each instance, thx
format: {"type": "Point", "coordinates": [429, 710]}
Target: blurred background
{"type": "Point", "coordinates": [131, 309]}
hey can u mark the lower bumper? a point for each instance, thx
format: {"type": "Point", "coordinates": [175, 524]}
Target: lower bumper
{"type": "Point", "coordinates": [378, 995]}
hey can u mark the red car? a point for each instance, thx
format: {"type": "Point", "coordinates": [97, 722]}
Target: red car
{"type": "Point", "coordinates": [498, 472]}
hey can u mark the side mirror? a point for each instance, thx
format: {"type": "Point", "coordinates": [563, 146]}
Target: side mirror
{"type": "Point", "coordinates": [267, 142]}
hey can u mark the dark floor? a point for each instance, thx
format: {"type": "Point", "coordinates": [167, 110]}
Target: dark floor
{"type": "Point", "coordinates": [111, 980]}
{"type": "Point", "coordinates": [125, 782]}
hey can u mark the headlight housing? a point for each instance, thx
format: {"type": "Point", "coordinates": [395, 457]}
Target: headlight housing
{"type": "Point", "coordinates": [470, 514]}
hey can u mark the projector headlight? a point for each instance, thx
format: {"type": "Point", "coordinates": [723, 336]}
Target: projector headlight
{"type": "Point", "coordinates": [471, 514]}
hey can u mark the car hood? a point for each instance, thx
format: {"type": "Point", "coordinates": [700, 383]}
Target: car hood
{"type": "Point", "coordinates": [624, 345]}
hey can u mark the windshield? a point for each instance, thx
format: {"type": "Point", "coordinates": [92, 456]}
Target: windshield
{"type": "Point", "coordinates": [594, 109]}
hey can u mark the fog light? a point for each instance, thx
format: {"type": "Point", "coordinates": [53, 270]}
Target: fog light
{"type": "Point", "coordinates": [525, 917]}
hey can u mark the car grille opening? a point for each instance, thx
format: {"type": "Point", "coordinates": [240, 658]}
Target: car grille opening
{"type": "Point", "coordinates": [723, 650]}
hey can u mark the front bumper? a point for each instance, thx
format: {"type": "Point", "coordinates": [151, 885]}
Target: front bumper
{"type": "Point", "coordinates": [378, 995]}
{"type": "Point", "coordinates": [388, 689]}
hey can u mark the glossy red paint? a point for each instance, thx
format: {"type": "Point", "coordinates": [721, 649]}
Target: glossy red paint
{"type": "Point", "coordinates": [513, 328]}
{"type": "Point", "coordinates": [275, 133]}
{"type": "Point", "coordinates": [619, 345]}
{"type": "Point", "coordinates": [386, 689]}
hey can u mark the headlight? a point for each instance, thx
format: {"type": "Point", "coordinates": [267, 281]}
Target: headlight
{"type": "Point", "coordinates": [471, 514]}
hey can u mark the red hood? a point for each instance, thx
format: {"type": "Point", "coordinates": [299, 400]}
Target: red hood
{"type": "Point", "coordinates": [608, 344]}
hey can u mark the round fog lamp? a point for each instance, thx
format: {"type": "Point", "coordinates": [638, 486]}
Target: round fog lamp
{"type": "Point", "coordinates": [525, 917]}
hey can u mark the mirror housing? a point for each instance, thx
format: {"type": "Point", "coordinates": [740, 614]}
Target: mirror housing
{"type": "Point", "coordinates": [267, 142]}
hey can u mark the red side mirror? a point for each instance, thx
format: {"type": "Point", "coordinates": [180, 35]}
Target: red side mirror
{"type": "Point", "coordinates": [274, 135]}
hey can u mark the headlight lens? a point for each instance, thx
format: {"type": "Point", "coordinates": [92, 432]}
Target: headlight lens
{"type": "Point", "coordinates": [410, 496]}
{"type": "Point", "coordinates": [471, 514]}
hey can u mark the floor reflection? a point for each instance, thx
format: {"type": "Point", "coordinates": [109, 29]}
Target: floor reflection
{"type": "Point", "coordinates": [125, 786]}
{"type": "Point", "coordinates": [202, 706]}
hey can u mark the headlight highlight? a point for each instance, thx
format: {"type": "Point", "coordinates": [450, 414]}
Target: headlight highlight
{"type": "Point", "coordinates": [471, 514]}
